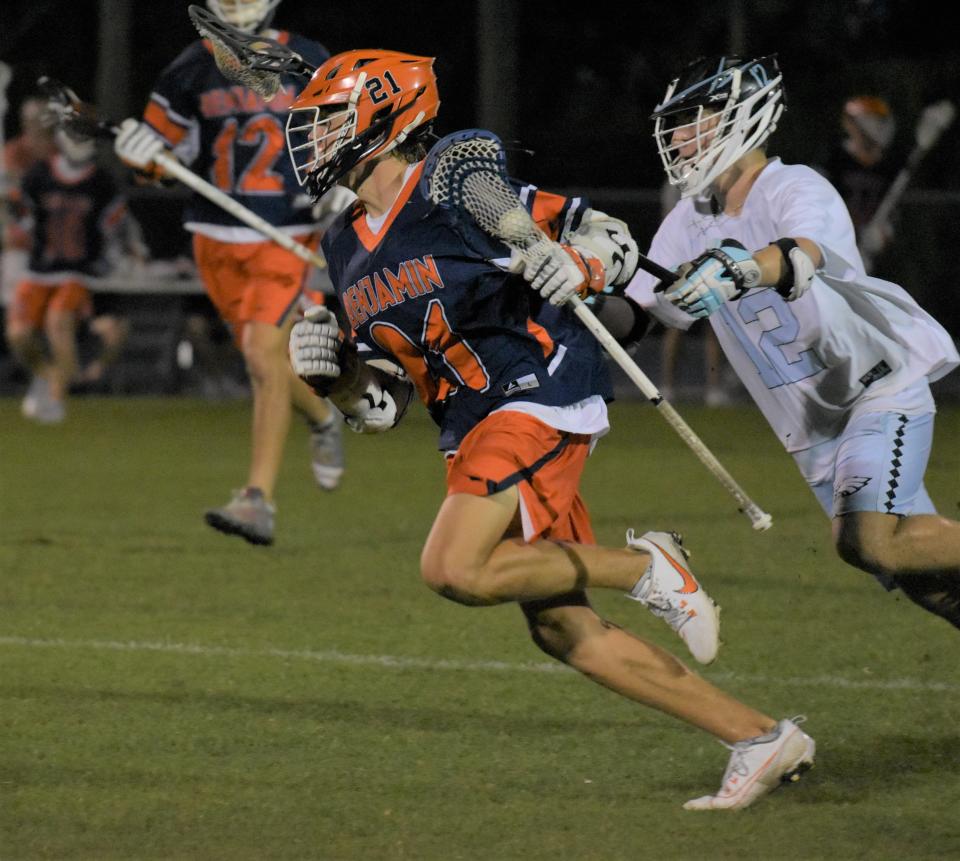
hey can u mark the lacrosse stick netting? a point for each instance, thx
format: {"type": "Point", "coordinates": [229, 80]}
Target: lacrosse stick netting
{"type": "Point", "coordinates": [466, 172]}
{"type": "Point", "coordinates": [254, 61]}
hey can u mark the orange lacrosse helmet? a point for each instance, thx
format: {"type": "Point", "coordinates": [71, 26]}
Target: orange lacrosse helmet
{"type": "Point", "coordinates": [358, 105]}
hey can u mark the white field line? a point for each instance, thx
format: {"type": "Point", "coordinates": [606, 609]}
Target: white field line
{"type": "Point", "coordinates": [332, 656]}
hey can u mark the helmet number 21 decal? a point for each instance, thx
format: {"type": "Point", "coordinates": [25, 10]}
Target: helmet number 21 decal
{"type": "Point", "coordinates": [375, 88]}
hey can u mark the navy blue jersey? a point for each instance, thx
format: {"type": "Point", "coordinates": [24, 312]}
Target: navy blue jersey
{"type": "Point", "coordinates": [426, 293]}
{"type": "Point", "coordinates": [230, 136]}
{"type": "Point", "coordinates": [72, 213]}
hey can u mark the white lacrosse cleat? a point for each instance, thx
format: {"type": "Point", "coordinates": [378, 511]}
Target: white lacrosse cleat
{"type": "Point", "coordinates": [759, 765]}
{"type": "Point", "coordinates": [671, 592]}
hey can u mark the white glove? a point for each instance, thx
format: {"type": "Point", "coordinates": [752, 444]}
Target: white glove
{"type": "Point", "coordinates": [549, 268]}
{"type": "Point", "coordinates": [137, 144]}
{"type": "Point", "coordinates": [315, 347]}
{"type": "Point", "coordinates": [715, 277]}
{"type": "Point", "coordinates": [335, 201]}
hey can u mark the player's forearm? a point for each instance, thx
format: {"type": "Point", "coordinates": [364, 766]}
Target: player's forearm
{"type": "Point", "coordinates": [771, 261]}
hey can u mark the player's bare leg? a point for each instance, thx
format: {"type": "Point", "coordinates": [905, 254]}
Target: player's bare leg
{"type": "Point", "coordinates": [641, 671]}
{"type": "Point", "coordinates": [467, 559]}
{"type": "Point", "coordinates": [921, 553]}
{"type": "Point", "coordinates": [899, 546]}
{"type": "Point", "coordinates": [265, 352]}
{"type": "Point", "coordinates": [61, 332]}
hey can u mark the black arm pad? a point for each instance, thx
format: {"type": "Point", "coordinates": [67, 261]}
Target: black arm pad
{"type": "Point", "coordinates": [621, 317]}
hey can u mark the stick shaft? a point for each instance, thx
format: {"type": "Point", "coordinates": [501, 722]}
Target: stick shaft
{"type": "Point", "coordinates": [238, 210]}
{"type": "Point", "coordinates": [757, 516]}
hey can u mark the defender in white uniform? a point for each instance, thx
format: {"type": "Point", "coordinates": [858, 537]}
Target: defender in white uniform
{"type": "Point", "coordinates": [838, 362]}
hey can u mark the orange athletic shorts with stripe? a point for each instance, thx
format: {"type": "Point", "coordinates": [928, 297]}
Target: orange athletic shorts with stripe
{"type": "Point", "coordinates": [510, 448]}
{"type": "Point", "coordinates": [253, 281]}
{"type": "Point", "coordinates": [32, 301]}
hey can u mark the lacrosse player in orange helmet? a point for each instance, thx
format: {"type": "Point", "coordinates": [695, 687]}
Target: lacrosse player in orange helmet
{"type": "Point", "coordinates": [518, 388]}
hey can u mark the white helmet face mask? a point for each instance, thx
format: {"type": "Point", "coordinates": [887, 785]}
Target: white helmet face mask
{"type": "Point", "coordinates": [246, 15]}
{"type": "Point", "coordinates": [706, 124]}
{"type": "Point", "coordinates": [76, 150]}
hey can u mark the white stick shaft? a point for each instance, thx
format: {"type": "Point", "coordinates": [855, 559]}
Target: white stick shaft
{"type": "Point", "coordinates": [238, 210]}
{"type": "Point", "coordinates": [759, 518]}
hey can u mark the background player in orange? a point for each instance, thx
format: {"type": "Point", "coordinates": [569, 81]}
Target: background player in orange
{"type": "Point", "coordinates": [33, 144]}
{"type": "Point", "coordinates": [518, 389]}
{"type": "Point", "coordinates": [860, 170]}
{"type": "Point", "coordinates": [69, 208]}
{"type": "Point", "coordinates": [227, 133]}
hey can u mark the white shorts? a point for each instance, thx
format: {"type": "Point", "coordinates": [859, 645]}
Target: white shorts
{"type": "Point", "coordinates": [878, 462]}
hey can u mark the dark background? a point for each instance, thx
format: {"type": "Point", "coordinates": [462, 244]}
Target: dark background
{"type": "Point", "coordinates": [585, 82]}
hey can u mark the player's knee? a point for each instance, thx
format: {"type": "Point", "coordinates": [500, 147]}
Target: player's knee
{"type": "Point", "coordinates": [19, 339]}
{"type": "Point", "coordinates": [455, 579]}
{"type": "Point", "coordinates": [867, 552]}
{"type": "Point", "coordinates": [566, 632]}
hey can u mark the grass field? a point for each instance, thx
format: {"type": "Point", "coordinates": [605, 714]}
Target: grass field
{"type": "Point", "coordinates": [168, 692]}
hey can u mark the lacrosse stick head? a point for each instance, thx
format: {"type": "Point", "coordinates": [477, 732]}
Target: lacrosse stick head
{"type": "Point", "coordinates": [934, 121]}
{"type": "Point", "coordinates": [253, 61]}
{"type": "Point", "coordinates": [65, 110]}
{"type": "Point", "coordinates": [359, 105]}
{"type": "Point", "coordinates": [467, 172]}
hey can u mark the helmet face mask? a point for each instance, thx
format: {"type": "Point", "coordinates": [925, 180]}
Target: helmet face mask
{"type": "Point", "coordinates": [714, 113]}
{"type": "Point", "coordinates": [358, 106]}
{"type": "Point", "coordinates": [75, 148]}
{"type": "Point", "coordinates": [249, 16]}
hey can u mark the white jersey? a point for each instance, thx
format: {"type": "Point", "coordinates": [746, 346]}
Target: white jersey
{"type": "Point", "coordinates": [848, 338]}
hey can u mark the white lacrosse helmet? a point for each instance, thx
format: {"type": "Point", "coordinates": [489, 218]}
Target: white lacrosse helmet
{"type": "Point", "coordinates": [251, 16]}
{"type": "Point", "coordinates": [715, 112]}
{"type": "Point", "coordinates": [75, 148]}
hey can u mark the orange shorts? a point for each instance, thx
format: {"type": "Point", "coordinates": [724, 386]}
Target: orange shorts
{"type": "Point", "coordinates": [253, 281]}
{"type": "Point", "coordinates": [510, 448]}
{"type": "Point", "coordinates": [32, 301]}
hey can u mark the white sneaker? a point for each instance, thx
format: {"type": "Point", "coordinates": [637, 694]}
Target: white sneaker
{"type": "Point", "coordinates": [326, 452]}
{"type": "Point", "coordinates": [37, 393]}
{"type": "Point", "coordinates": [669, 590]}
{"type": "Point", "coordinates": [759, 765]}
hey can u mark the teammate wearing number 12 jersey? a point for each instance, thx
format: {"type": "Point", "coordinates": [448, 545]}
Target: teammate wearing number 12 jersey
{"type": "Point", "coordinates": [518, 389]}
{"type": "Point", "coordinates": [232, 138]}
{"type": "Point", "coordinates": [838, 362]}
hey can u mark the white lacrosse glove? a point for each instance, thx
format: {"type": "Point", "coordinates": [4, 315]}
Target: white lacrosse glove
{"type": "Point", "coordinates": [315, 348]}
{"type": "Point", "coordinates": [715, 277]}
{"type": "Point", "coordinates": [608, 239]}
{"type": "Point", "coordinates": [137, 144]}
{"type": "Point", "coordinates": [557, 271]}
{"type": "Point", "coordinates": [335, 201]}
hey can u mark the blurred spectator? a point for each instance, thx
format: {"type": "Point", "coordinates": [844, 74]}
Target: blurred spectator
{"type": "Point", "coordinates": [860, 168]}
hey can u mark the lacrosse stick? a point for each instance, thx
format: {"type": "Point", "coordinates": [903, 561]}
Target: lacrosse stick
{"type": "Point", "coordinates": [71, 113]}
{"type": "Point", "coordinates": [467, 172]}
{"type": "Point", "coordinates": [257, 62]}
{"type": "Point", "coordinates": [934, 121]}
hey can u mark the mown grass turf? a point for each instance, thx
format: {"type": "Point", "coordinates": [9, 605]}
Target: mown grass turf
{"type": "Point", "coordinates": [168, 692]}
